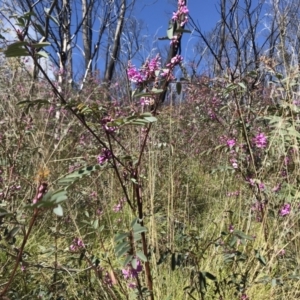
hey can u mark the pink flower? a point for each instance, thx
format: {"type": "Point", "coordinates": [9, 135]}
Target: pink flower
{"type": "Point", "coordinates": [154, 64]}
{"type": "Point", "coordinates": [257, 206]}
{"type": "Point", "coordinates": [120, 205]}
{"type": "Point", "coordinates": [106, 155]}
{"type": "Point", "coordinates": [76, 245]}
{"type": "Point", "coordinates": [285, 210]}
{"type": "Point", "coordinates": [145, 101]}
{"type": "Point", "coordinates": [180, 14]}
{"type": "Point", "coordinates": [230, 194]}
{"type": "Point", "coordinates": [107, 128]}
{"type": "Point", "coordinates": [234, 163]}
{"type": "Point", "coordinates": [281, 252]}
{"type": "Point", "coordinates": [130, 272]}
{"type": "Point", "coordinates": [276, 188]}
{"type": "Point", "coordinates": [260, 140]}
{"type": "Point", "coordinates": [108, 280]}
{"type": "Point", "coordinates": [132, 285]}
{"type": "Point", "coordinates": [134, 75]}
{"type": "Point", "coordinates": [93, 194]}
{"type": "Point", "coordinates": [230, 143]}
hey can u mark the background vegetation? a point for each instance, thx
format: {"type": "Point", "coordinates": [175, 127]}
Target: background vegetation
{"type": "Point", "coordinates": [108, 193]}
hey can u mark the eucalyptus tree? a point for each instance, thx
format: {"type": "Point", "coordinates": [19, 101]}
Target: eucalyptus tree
{"type": "Point", "coordinates": [84, 27]}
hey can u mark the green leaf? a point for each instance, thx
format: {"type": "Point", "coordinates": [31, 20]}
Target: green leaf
{"type": "Point", "coordinates": [210, 276]}
{"type": "Point", "coordinates": [12, 233]}
{"type": "Point", "coordinates": [135, 221]}
{"type": "Point", "coordinates": [150, 119]}
{"type": "Point", "coordinates": [59, 196]}
{"type": "Point", "coordinates": [70, 179]}
{"type": "Point", "coordinates": [134, 263]}
{"type": "Point", "coordinates": [127, 260]}
{"type": "Point", "coordinates": [17, 45]}
{"type": "Point", "coordinates": [242, 235]}
{"type": "Point", "coordinates": [58, 211]}
{"type": "Point", "coordinates": [122, 245]}
{"type": "Point", "coordinates": [120, 237]}
{"type": "Point", "coordinates": [181, 30]}
{"type": "Point", "coordinates": [123, 251]}
{"type": "Point", "coordinates": [202, 282]}
{"type": "Point", "coordinates": [15, 51]}
{"type": "Point", "coordinates": [40, 45]}
{"type": "Point", "coordinates": [141, 256]}
{"type": "Point", "coordinates": [170, 31]}
{"type": "Point", "coordinates": [96, 224]}
{"type": "Point", "coordinates": [42, 54]}
{"type": "Point", "coordinates": [293, 132]}
{"type": "Point", "coordinates": [137, 237]}
{"type": "Point", "coordinates": [137, 228]}
{"type": "Point", "coordinates": [242, 85]}
{"type": "Point", "coordinates": [233, 241]}
{"type": "Point", "coordinates": [33, 102]}
{"type": "Point", "coordinates": [157, 91]}
{"type": "Point", "coordinates": [4, 212]}
{"type": "Point", "coordinates": [260, 258]}
{"type": "Point", "coordinates": [163, 38]}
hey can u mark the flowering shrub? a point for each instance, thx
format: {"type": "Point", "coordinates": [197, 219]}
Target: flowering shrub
{"type": "Point", "coordinates": [203, 204]}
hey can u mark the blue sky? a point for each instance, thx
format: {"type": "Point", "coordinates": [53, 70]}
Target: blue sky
{"type": "Point", "coordinates": [156, 13]}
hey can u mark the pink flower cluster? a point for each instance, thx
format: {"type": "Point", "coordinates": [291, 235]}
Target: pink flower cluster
{"type": "Point", "coordinates": [134, 75]}
{"type": "Point", "coordinates": [230, 143]}
{"type": "Point", "coordinates": [234, 162]}
{"type": "Point", "coordinates": [285, 210]}
{"type": "Point", "coordinates": [107, 280]}
{"type": "Point", "coordinates": [181, 14]}
{"type": "Point", "coordinates": [231, 194]}
{"type": "Point", "coordinates": [120, 205]}
{"type": "Point", "coordinates": [145, 101]}
{"type": "Point", "coordinates": [167, 73]}
{"type": "Point", "coordinates": [146, 73]}
{"type": "Point", "coordinates": [276, 188]}
{"type": "Point", "coordinates": [176, 60]}
{"type": "Point", "coordinates": [130, 273]}
{"type": "Point", "coordinates": [105, 156]}
{"type": "Point", "coordinates": [252, 182]}
{"type": "Point", "coordinates": [260, 140]}
{"type": "Point", "coordinates": [42, 190]}
{"type": "Point", "coordinates": [76, 245]}
{"type": "Point", "coordinates": [257, 208]}
{"type": "Point", "coordinates": [104, 122]}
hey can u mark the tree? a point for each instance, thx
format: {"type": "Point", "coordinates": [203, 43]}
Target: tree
{"type": "Point", "coordinates": [68, 24]}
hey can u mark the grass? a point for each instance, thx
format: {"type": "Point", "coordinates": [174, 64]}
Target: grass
{"type": "Point", "coordinates": [203, 241]}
